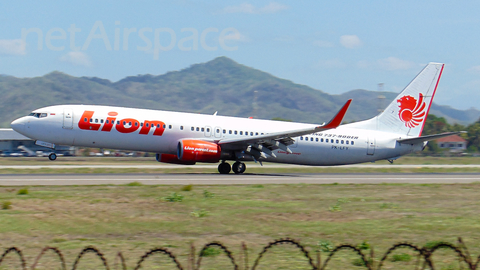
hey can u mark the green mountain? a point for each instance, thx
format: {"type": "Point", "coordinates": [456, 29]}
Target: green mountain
{"type": "Point", "coordinates": [219, 85]}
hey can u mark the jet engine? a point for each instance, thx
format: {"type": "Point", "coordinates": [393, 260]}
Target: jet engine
{"type": "Point", "coordinates": [169, 158]}
{"type": "Point", "coordinates": [198, 151]}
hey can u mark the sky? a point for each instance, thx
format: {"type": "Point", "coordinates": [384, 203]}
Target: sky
{"type": "Point", "coordinates": [333, 46]}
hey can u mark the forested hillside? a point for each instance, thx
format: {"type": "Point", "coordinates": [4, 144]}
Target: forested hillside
{"type": "Point", "coordinates": [219, 85]}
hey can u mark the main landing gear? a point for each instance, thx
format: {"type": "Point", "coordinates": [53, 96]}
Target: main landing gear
{"type": "Point", "coordinates": [237, 168]}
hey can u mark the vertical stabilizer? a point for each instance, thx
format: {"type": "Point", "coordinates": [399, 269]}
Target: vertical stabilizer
{"type": "Point", "coordinates": [408, 112]}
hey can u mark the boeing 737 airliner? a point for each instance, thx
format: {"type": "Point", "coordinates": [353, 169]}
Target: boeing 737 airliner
{"type": "Point", "coordinates": [187, 138]}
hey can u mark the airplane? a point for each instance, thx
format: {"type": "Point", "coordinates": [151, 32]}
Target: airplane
{"type": "Point", "coordinates": [188, 138]}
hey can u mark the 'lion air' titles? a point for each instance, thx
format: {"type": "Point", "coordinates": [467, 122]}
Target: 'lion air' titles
{"type": "Point", "coordinates": [127, 125]}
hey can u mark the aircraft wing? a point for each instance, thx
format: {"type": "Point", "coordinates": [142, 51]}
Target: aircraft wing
{"type": "Point", "coordinates": [258, 146]}
{"type": "Point", "coordinates": [428, 137]}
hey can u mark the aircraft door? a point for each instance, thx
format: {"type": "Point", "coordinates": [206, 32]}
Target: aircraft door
{"type": "Point", "coordinates": [208, 131]}
{"type": "Point", "coordinates": [370, 146]}
{"type": "Point", "coordinates": [218, 132]}
{"type": "Point", "coordinates": [67, 119]}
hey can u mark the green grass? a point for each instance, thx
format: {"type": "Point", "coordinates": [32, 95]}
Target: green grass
{"type": "Point", "coordinates": [134, 219]}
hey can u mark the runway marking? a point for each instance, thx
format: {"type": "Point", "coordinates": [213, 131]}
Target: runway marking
{"type": "Point", "coordinates": [168, 166]}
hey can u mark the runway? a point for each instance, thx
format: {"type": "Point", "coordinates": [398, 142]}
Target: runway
{"type": "Point", "coordinates": [249, 165]}
{"type": "Point", "coordinates": [232, 179]}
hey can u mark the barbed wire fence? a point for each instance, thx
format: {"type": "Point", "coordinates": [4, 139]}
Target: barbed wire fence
{"type": "Point", "coordinates": [424, 256]}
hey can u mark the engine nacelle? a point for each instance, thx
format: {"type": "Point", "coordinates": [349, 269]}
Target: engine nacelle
{"type": "Point", "coordinates": [198, 151]}
{"type": "Point", "coordinates": [169, 158]}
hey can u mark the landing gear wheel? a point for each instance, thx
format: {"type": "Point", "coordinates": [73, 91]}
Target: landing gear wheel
{"type": "Point", "coordinates": [52, 156]}
{"type": "Point", "coordinates": [239, 167]}
{"type": "Point", "coordinates": [224, 168]}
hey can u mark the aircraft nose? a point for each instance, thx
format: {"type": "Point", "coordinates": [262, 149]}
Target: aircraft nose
{"type": "Point", "coordinates": [18, 125]}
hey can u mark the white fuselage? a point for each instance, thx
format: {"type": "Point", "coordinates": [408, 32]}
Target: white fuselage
{"type": "Point", "coordinates": [160, 131]}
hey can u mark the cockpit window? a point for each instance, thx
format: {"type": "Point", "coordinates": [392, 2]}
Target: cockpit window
{"type": "Point", "coordinates": [38, 115]}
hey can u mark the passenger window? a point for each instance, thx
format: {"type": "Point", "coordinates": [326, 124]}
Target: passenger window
{"type": "Point", "coordinates": [148, 125]}
{"type": "Point", "coordinates": [169, 126]}
{"type": "Point", "coordinates": [262, 133]}
{"type": "Point", "coordinates": [96, 120]}
{"type": "Point", "coordinates": [326, 140]}
{"type": "Point", "coordinates": [229, 132]}
{"type": "Point", "coordinates": [341, 141]}
{"type": "Point", "coordinates": [101, 121]}
{"type": "Point", "coordinates": [91, 120]}
{"type": "Point", "coordinates": [141, 124]}
{"type": "Point", "coordinates": [241, 132]}
{"type": "Point", "coordinates": [181, 127]}
{"type": "Point", "coordinates": [85, 119]}
{"type": "Point", "coordinates": [193, 129]}
{"type": "Point", "coordinates": [136, 124]}
{"type": "Point", "coordinates": [118, 122]}
{"type": "Point", "coordinates": [321, 140]}
{"type": "Point", "coordinates": [306, 138]}
{"type": "Point", "coordinates": [203, 129]}
{"type": "Point", "coordinates": [337, 141]}
{"type": "Point", "coordinates": [164, 126]}
{"type": "Point", "coordinates": [158, 126]}
{"type": "Point", "coordinates": [198, 129]}
{"type": "Point", "coordinates": [256, 133]}
{"type": "Point", "coordinates": [311, 139]}
{"type": "Point", "coordinates": [251, 133]}
{"type": "Point", "coordinates": [346, 142]}
{"type": "Point", "coordinates": [316, 139]}
{"type": "Point", "coordinates": [235, 132]}
{"type": "Point", "coordinates": [352, 142]}
{"type": "Point", "coordinates": [224, 131]}
{"type": "Point", "coordinates": [107, 121]}
{"type": "Point", "coordinates": [301, 138]}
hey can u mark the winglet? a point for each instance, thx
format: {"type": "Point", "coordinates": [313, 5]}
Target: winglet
{"type": "Point", "coordinates": [337, 120]}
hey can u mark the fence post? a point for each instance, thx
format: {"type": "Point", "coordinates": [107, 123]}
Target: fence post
{"type": "Point", "coordinates": [319, 259]}
{"type": "Point", "coordinates": [192, 256]}
{"type": "Point", "coordinates": [245, 255]}
{"type": "Point", "coordinates": [372, 257]}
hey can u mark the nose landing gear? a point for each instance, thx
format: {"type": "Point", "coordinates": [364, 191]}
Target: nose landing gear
{"type": "Point", "coordinates": [52, 156]}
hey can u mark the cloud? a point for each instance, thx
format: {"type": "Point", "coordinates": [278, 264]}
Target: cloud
{"type": "Point", "coordinates": [350, 41]}
{"type": "Point", "coordinates": [236, 36]}
{"type": "Point", "coordinates": [393, 63]}
{"type": "Point", "coordinates": [273, 7]}
{"type": "Point", "coordinates": [323, 44]}
{"type": "Point", "coordinates": [363, 64]}
{"type": "Point", "coordinates": [474, 69]}
{"type": "Point", "coordinates": [13, 47]}
{"type": "Point", "coordinates": [331, 64]}
{"type": "Point", "coordinates": [77, 58]}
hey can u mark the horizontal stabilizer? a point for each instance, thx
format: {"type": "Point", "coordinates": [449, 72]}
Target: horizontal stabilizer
{"type": "Point", "coordinates": [428, 137]}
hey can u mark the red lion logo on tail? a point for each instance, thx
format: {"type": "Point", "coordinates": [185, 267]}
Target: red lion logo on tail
{"type": "Point", "coordinates": [411, 112]}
